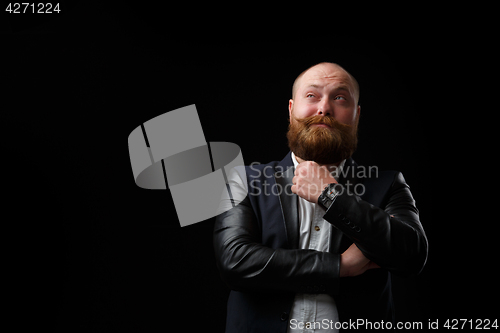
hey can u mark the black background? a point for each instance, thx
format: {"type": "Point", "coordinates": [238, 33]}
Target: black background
{"type": "Point", "coordinates": [93, 252]}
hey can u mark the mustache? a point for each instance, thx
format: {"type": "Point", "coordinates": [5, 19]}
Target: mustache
{"type": "Point", "coordinates": [324, 120]}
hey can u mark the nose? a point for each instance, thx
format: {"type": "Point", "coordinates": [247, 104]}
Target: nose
{"type": "Point", "coordinates": [324, 108]}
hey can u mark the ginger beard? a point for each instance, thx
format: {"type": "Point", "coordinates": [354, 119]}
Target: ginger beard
{"type": "Point", "coordinates": [321, 144]}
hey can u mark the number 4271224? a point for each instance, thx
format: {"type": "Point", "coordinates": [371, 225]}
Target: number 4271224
{"type": "Point", "coordinates": [31, 7]}
{"type": "Point", "coordinates": [481, 324]}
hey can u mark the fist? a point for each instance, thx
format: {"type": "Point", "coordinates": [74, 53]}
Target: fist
{"type": "Point", "coordinates": [310, 180]}
{"type": "Point", "coordinates": [354, 263]}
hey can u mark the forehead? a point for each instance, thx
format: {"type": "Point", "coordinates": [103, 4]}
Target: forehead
{"type": "Point", "coordinates": [325, 75]}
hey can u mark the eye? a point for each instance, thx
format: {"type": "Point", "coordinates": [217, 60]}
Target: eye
{"type": "Point", "coordinates": [309, 95]}
{"type": "Point", "coordinates": [340, 97]}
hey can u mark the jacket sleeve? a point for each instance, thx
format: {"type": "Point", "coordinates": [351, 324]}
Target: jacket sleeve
{"type": "Point", "coordinates": [246, 264]}
{"type": "Point", "coordinates": [392, 237]}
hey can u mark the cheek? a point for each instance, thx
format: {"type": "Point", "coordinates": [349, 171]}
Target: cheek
{"type": "Point", "coordinates": [346, 117]}
{"type": "Point", "coordinates": [303, 111]}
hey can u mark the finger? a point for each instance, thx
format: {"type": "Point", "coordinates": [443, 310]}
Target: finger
{"type": "Point", "coordinates": [301, 170]}
{"type": "Point", "coordinates": [350, 248]}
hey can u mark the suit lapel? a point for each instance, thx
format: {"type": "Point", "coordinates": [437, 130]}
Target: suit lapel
{"type": "Point", "coordinates": [339, 242]}
{"type": "Point", "coordinates": [348, 175]}
{"type": "Point", "coordinates": [284, 173]}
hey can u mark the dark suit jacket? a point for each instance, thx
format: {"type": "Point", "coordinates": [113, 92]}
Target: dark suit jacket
{"type": "Point", "coordinates": [256, 247]}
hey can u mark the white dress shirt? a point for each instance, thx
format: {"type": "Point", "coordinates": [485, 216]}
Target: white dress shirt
{"type": "Point", "coordinates": [313, 313]}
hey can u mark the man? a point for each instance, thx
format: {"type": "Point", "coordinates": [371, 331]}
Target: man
{"type": "Point", "coordinates": [312, 246]}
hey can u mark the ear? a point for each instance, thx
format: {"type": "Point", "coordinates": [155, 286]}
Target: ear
{"type": "Point", "coordinates": [290, 107]}
{"type": "Point", "coordinates": [358, 113]}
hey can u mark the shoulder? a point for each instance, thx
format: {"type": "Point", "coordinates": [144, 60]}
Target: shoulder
{"type": "Point", "coordinates": [372, 174]}
{"type": "Point", "coordinates": [248, 174]}
{"type": "Point", "coordinates": [270, 169]}
{"type": "Point", "coordinates": [391, 179]}
{"type": "Point", "coordinates": [379, 185]}
{"type": "Point", "coordinates": [257, 170]}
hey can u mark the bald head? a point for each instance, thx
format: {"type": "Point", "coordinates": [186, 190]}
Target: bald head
{"type": "Point", "coordinates": [327, 70]}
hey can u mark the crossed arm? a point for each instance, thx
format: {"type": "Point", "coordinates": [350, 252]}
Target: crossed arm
{"type": "Point", "coordinates": [390, 238]}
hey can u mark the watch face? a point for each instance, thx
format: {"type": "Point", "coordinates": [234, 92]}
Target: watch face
{"type": "Point", "coordinates": [328, 195]}
{"type": "Point", "coordinates": [331, 194]}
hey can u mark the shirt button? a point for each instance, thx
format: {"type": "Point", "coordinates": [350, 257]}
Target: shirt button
{"type": "Point", "coordinates": [316, 228]}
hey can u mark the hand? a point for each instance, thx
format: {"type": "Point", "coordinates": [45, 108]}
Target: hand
{"type": "Point", "coordinates": [354, 263]}
{"type": "Point", "coordinates": [310, 180]}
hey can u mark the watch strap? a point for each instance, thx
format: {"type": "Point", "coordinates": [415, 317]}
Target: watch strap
{"type": "Point", "coordinates": [328, 196]}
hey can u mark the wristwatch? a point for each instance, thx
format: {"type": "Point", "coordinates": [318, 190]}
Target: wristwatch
{"type": "Point", "coordinates": [328, 196]}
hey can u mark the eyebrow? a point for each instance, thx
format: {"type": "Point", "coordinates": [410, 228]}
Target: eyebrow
{"type": "Point", "coordinates": [340, 87]}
